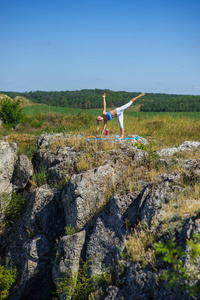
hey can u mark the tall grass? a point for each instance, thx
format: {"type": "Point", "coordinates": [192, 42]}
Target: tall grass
{"type": "Point", "coordinates": [161, 129]}
{"type": "Point", "coordinates": [166, 129]}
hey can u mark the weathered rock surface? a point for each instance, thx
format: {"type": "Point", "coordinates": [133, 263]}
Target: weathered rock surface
{"type": "Point", "coordinates": [68, 259]}
{"type": "Point", "coordinates": [8, 154]}
{"type": "Point", "coordinates": [158, 193]}
{"type": "Point", "coordinates": [186, 146]}
{"type": "Point", "coordinates": [22, 172]}
{"type": "Point", "coordinates": [32, 246]}
{"type": "Point", "coordinates": [52, 154]}
{"type": "Point", "coordinates": [103, 219]}
{"type": "Point", "coordinates": [109, 233]}
{"type": "Point", "coordinates": [86, 193]}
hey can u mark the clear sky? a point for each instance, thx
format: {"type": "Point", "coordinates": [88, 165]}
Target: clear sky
{"type": "Point", "coordinates": [123, 45]}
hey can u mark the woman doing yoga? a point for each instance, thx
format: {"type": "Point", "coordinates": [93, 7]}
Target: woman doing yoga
{"type": "Point", "coordinates": [107, 116]}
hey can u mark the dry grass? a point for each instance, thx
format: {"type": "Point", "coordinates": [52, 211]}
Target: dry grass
{"type": "Point", "coordinates": [162, 130]}
{"type": "Point", "coordinates": [184, 205]}
{"type": "Point", "coordinates": [25, 142]}
{"type": "Point", "coordinates": [138, 245]}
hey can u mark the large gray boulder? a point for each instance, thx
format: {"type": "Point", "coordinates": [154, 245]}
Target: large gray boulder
{"type": "Point", "coordinates": [144, 284]}
{"type": "Point", "coordinates": [8, 154]}
{"type": "Point", "coordinates": [67, 262]}
{"type": "Point", "coordinates": [184, 147]}
{"type": "Point", "coordinates": [55, 156]}
{"type": "Point", "coordinates": [22, 173]}
{"type": "Point", "coordinates": [109, 233]}
{"type": "Point", "coordinates": [86, 193]}
{"type": "Point", "coordinates": [32, 245]}
{"type": "Point", "coordinates": [156, 194]}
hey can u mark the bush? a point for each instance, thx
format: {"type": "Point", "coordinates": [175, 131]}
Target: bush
{"type": "Point", "coordinates": [14, 209]}
{"type": "Point", "coordinates": [7, 279]}
{"type": "Point", "coordinates": [177, 274]}
{"type": "Point", "coordinates": [79, 286]}
{"type": "Point", "coordinates": [11, 112]}
{"type": "Point", "coordinates": [40, 177]}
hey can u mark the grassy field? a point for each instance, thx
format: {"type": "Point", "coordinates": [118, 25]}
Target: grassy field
{"type": "Point", "coordinates": [32, 110]}
{"type": "Point", "coordinates": [161, 129]}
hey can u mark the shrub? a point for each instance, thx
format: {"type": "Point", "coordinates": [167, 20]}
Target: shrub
{"type": "Point", "coordinates": [70, 230]}
{"type": "Point", "coordinates": [141, 146]}
{"type": "Point", "coordinates": [11, 112]}
{"type": "Point", "coordinates": [7, 279]}
{"type": "Point", "coordinates": [178, 275]}
{"type": "Point", "coordinates": [40, 177]}
{"type": "Point", "coordinates": [79, 286]}
{"type": "Point", "coordinates": [14, 209]}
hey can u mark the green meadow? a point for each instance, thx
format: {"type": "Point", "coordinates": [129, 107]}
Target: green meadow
{"type": "Point", "coordinates": [31, 110]}
{"type": "Point", "coordinates": [162, 129]}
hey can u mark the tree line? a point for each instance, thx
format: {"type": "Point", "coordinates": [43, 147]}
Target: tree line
{"type": "Point", "coordinates": [88, 98]}
{"type": "Point", "coordinates": [171, 103]}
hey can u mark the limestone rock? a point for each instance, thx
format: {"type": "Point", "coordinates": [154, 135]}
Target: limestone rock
{"type": "Point", "coordinates": [67, 260]}
{"type": "Point", "coordinates": [57, 158]}
{"type": "Point", "coordinates": [86, 193]}
{"type": "Point", "coordinates": [89, 204]}
{"type": "Point", "coordinates": [109, 235]}
{"type": "Point", "coordinates": [111, 292]}
{"type": "Point", "coordinates": [128, 155]}
{"type": "Point", "coordinates": [141, 140]}
{"type": "Point", "coordinates": [8, 154]}
{"type": "Point", "coordinates": [143, 285]}
{"type": "Point", "coordinates": [23, 172]}
{"type": "Point", "coordinates": [154, 196]}
{"type": "Point", "coordinates": [32, 245]}
{"type": "Point", "coordinates": [186, 146]}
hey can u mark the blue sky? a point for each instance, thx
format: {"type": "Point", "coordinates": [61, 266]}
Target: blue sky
{"type": "Point", "coordinates": [123, 45]}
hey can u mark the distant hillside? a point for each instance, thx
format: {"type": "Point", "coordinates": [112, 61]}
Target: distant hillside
{"type": "Point", "coordinates": [93, 99]}
{"type": "Point", "coordinates": [4, 96]}
{"type": "Point", "coordinates": [23, 101]}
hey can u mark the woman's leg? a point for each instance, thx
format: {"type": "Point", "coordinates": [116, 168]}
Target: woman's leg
{"type": "Point", "coordinates": [122, 108]}
{"type": "Point", "coordinates": [120, 111]}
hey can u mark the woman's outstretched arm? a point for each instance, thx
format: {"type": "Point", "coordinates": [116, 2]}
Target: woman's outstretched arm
{"type": "Point", "coordinates": [104, 127]}
{"type": "Point", "coordinates": [104, 103]}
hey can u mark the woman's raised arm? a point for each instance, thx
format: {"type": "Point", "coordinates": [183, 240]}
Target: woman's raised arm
{"type": "Point", "coordinates": [103, 129]}
{"type": "Point", "coordinates": [104, 103]}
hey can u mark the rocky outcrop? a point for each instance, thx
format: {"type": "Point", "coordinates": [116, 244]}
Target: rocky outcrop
{"type": "Point", "coordinates": [23, 171]}
{"type": "Point", "coordinates": [103, 214]}
{"type": "Point", "coordinates": [8, 155]}
{"type": "Point", "coordinates": [86, 193]}
{"type": "Point", "coordinates": [67, 262]}
{"type": "Point", "coordinates": [55, 156]}
{"type": "Point", "coordinates": [32, 246]}
{"type": "Point", "coordinates": [186, 146]}
{"type": "Point", "coordinates": [109, 233]}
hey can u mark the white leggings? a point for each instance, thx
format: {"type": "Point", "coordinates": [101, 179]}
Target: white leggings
{"type": "Point", "coordinates": [120, 111]}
